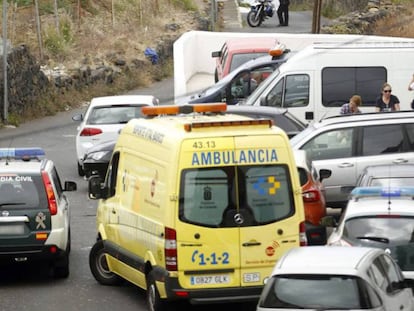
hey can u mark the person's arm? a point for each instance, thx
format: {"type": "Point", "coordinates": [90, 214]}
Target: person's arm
{"type": "Point", "coordinates": [396, 103]}
{"type": "Point", "coordinates": [411, 84]}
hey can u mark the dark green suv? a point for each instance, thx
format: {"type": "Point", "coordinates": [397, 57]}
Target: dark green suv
{"type": "Point", "coordinates": [34, 211]}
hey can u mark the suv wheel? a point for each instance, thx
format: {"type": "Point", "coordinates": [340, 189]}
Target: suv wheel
{"type": "Point", "coordinates": [61, 267]}
{"type": "Point", "coordinates": [81, 172]}
{"type": "Point", "coordinates": [99, 266]}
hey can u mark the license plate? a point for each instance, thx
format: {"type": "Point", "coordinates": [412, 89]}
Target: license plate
{"type": "Point", "coordinates": [251, 277]}
{"type": "Point", "coordinates": [210, 279]}
{"type": "Point", "coordinates": [11, 229]}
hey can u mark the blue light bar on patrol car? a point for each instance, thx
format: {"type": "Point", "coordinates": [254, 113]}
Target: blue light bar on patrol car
{"type": "Point", "coordinates": [361, 192]}
{"type": "Point", "coordinates": [22, 153]}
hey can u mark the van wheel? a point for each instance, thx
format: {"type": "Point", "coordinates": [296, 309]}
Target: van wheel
{"type": "Point", "coordinates": [154, 302]}
{"type": "Point", "coordinates": [99, 266]}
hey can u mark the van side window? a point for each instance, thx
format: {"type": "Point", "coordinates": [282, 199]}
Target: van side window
{"type": "Point", "coordinates": [291, 91]}
{"type": "Point", "coordinates": [235, 196]}
{"type": "Point", "coordinates": [339, 82]}
{"type": "Point", "coordinates": [390, 140]}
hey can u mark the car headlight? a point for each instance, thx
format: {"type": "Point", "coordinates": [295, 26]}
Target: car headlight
{"type": "Point", "coordinates": [96, 156]}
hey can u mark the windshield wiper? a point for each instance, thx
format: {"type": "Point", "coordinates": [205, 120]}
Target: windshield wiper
{"type": "Point", "coordinates": [374, 238]}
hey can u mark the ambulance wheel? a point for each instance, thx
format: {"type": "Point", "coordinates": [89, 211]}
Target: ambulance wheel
{"type": "Point", "coordinates": [99, 266]}
{"type": "Point", "coordinates": [154, 302]}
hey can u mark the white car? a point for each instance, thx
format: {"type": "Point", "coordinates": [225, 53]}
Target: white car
{"type": "Point", "coordinates": [382, 218]}
{"type": "Point", "coordinates": [336, 278]}
{"type": "Point", "coordinates": [104, 118]}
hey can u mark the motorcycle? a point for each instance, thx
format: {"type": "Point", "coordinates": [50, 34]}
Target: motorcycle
{"type": "Point", "coordinates": [259, 11]}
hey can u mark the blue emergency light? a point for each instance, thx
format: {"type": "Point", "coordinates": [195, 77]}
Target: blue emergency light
{"type": "Point", "coordinates": [387, 192]}
{"type": "Point", "coordinates": [22, 153]}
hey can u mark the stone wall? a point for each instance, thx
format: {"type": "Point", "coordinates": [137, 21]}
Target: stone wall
{"type": "Point", "coordinates": [26, 81]}
{"type": "Point", "coordinates": [361, 21]}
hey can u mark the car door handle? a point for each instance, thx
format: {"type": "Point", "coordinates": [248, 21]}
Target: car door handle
{"type": "Point", "coordinates": [346, 164]}
{"type": "Point", "coordinates": [251, 244]}
{"type": "Point", "coordinates": [397, 161]}
{"type": "Point", "coordinates": [113, 211]}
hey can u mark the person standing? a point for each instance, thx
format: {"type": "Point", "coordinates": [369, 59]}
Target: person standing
{"type": "Point", "coordinates": [283, 12]}
{"type": "Point", "coordinates": [387, 102]}
{"type": "Point", "coordinates": [411, 88]}
{"type": "Point", "coordinates": [353, 106]}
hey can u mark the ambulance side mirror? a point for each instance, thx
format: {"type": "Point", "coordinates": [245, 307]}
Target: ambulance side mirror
{"type": "Point", "coordinates": [95, 188]}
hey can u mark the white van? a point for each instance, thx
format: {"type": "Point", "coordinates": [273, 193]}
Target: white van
{"type": "Point", "coordinates": [315, 82]}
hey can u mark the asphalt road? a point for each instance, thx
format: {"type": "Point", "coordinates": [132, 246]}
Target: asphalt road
{"type": "Point", "coordinates": [29, 287]}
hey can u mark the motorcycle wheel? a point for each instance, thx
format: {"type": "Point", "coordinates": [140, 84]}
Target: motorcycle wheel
{"type": "Point", "coordinates": [254, 18]}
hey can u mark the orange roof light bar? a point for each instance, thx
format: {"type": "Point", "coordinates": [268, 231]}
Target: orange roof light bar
{"type": "Point", "coordinates": [278, 50]}
{"type": "Point", "coordinates": [189, 126]}
{"type": "Point", "coordinates": [185, 109]}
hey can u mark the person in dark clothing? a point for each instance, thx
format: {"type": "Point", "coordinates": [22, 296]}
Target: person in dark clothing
{"type": "Point", "coordinates": [387, 102]}
{"type": "Point", "coordinates": [283, 13]}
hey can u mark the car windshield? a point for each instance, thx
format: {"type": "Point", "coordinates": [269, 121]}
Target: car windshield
{"type": "Point", "coordinates": [239, 59]}
{"type": "Point", "coordinates": [251, 100]}
{"type": "Point", "coordinates": [114, 114]}
{"type": "Point", "coordinates": [318, 292]}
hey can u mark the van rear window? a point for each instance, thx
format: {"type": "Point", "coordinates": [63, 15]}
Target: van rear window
{"type": "Point", "coordinates": [235, 195]}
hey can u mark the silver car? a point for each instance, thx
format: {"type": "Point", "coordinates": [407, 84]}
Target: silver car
{"type": "Point", "coordinates": [336, 278]}
{"type": "Point", "coordinates": [347, 144]}
{"type": "Point", "coordinates": [387, 175]}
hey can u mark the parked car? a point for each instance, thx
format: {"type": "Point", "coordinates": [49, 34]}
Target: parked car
{"type": "Point", "coordinates": [347, 144]}
{"type": "Point", "coordinates": [280, 116]}
{"type": "Point", "coordinates": [242, 81]}
{"type": "Point", "coordinates": [313, 194]}
{"type": "Point", "coordinates": [336, 278]}
{"type": "Point", "coordinates": [390, 175]}
{"type": "Point", "coordinates": [97, 158]}
{"type": "Point", "coordinates": [104, 118]}
{"type": "Point", "coordinates": [381, 217]}
{"type": "Point", "coordinates": [35, 212]}
{"type": "Point", "coordinates": [237, 51]}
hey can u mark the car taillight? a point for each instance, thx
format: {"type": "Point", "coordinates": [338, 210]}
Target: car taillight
{"type": "Point", "coordinates": [303, 241]}
{"type": "Point", "coordinates": [170, 249]}
{"type": "Point", "coordinates": [50, 194]}
{"type": "Point", "coordinates": [90, 131]}
{"type": "Point", "coordinates": [311, 196]}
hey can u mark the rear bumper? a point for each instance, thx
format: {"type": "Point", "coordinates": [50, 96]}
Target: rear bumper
{"type": "Point", "coordinates": [208, 295]}
{"type": "Point", "coordinates": [47, 253]}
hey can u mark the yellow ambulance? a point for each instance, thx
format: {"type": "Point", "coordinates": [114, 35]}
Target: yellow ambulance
{"type": "Point", "coordinates": [197, 205]}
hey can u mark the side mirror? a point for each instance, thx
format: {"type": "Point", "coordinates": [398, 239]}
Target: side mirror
{"type": "Point", "coordinates": [95, 187]}
{"type": "Point", "coordinates": [70, 186]}
{"type": "Point", "coordinates": [324, 173]}
{"type": "Point", "coordinates": [77, 117]}
{"type": "Point", "coordinates": [216, 54]}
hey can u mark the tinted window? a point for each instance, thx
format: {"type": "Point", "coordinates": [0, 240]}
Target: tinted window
{"type": "Point", "coordinates": [21, 191]}
{"type": "Point", "coordinates": [212, 196]}
{"type": "Point", "coordinates": [339, 83]}
{"type": "Point", "coordinates": [330, 145]}
{"type": "Point", "coordinates": [317, 292]}
{"type": "Point", "coordinates": [395, 233]}
{"type": "Point", "coordinates": [382, 139]}
{"type": "Point", "coordinates": [114, 114]}
{"type": "Point", "coordinates": [291, 91]}
{"type": "Point", "coordinates": [239, 59]}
